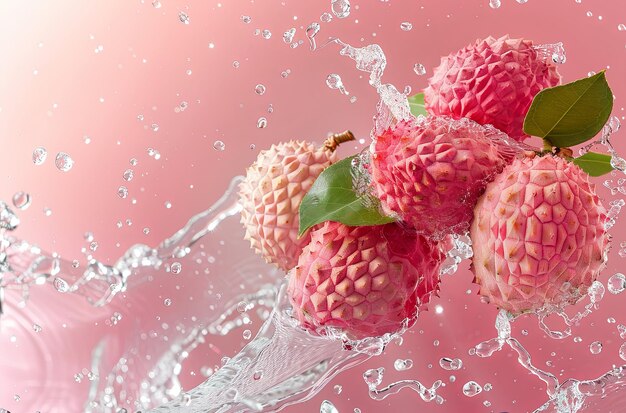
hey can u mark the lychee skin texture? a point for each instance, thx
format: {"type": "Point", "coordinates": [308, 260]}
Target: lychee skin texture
{"type": "Point", "coordinates": [431, 171]}
{"type": "Point", "coordinates": [365, 280]}
{"type": "Point", "coordinates": [538, 235]}
{"type": "Point", "coordinates": [270, 197]}
{"type": "Point", "coordinates": [492, 82]}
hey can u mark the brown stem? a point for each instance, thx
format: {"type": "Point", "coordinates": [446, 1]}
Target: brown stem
{"type": "Point", "coordinates": [336, 139]}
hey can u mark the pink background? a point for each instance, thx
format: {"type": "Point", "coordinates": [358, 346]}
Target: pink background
{"type": "Point", "coordinates": [56, 89]}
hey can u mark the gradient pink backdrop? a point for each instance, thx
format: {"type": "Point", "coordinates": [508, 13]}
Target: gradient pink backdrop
{"type": "Point", "coordinates": [55, 89]}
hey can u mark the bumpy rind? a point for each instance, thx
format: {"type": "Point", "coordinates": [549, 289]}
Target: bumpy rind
{"type": "Point", "coordinates": [538, 235]}
{"type": "Point", "coordinates": [271, 194]}
{"type": "Point", "coordinates": [431, 171]}
{"type": "Point", "coordinates": [491, 82]}
{"type": "Point", "coordinates": [367, 281]}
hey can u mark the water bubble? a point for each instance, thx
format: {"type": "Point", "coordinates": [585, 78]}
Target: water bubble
{"type": "Point", "coordinates": [261, 123]}
{"type": "Point", "coordinates": [219, 145]}
{"type": "Point", "coordinates": [176, 267]}
{"type": "Point", "coordinates": [326, 17]}
{"type": "Point", "coordinates": [183, 17]}
{"type": "Point", "coordinates": [373, 377]}
{"type": "Point", "coordinates": [21, 200]}
{"type": "Point", "coordinates": [259, 89]}
{"type": "Point", "coordinates": [471, 389]}
{"type": "Point", "coordinates": [128, 175]}
{"type": "Point", "coordinates": [447, 363]}
{"type": "Point", "coordinates": [406, 26]}
{"type": "Point", "coordinates": [595, 347]}
{"type": "Point", "coordinates": [328, 407]}
{"type": "Point", "coordinates": [122, 192]}
{"type": "Point", "coordinates": [247, 334]}
{"type": "Point", "coordinates": [338, 389]}
{"type": "Point", "coordinates": [419, 69]}
{"type": "Point", "coordinates": [494, 4]}
{"type": "Point", "coordinates": [246, 19]}
{"type": "Point", "coordinates": [167, 302]}
{"type": "Point", "coordinates": [61, 285]}
{"type": "Point", "coordinates": [617, 283]}
{"type": "Point", "coordinates": [340, 8]}
{"type": "Point", "coordinates": [39, 155]}
{"type": "Point", "coordinates": [401, 365]}
{"type": "Point", "coordinates": [266, 34]}
{"type": "Point", "coordinates": [63, 162]}
{"type": "Point", "coordinates": [288, 35]}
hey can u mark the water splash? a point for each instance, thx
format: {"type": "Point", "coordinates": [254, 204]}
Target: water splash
{"type": "Point", "coordinates": [374, 378]}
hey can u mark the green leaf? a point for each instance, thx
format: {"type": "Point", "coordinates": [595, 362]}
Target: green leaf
{"type": "Point", "coordinates": [570, 114]}
{"type": "Point", "coordinates": [595, 164]}
{"type": "Point", "coordinates": [416, 103]}
{"type": "Point", "coordinates": [332, 198]}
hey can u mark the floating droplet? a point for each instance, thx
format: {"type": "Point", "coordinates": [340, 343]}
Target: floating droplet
{"type": "Point", "coordinates": [419, 69]}
{"type": "Point", "coordinates": [247, 334]}
{"type": "Point", "coordinates": [595, 347]}
{"type": "Point", "coordinates": [447, 363]}
{"type": "Point", "coordinates": [285, 73]}
{"type": "Point", "coordinates": [37, 328]}
{"type": "Point", "coordinates": [176, 268]}
{"type": "Point", "coordinates": [471, 389]}
{"type": "Point", "coordinates": [63, 162]}
{"type": "Point", "coordinates": [406, 26]}
{"type": "Point", "coordinates": [617, 283]}
{"type": "Point", "coordinates": [128, 175]}
{"type": "Point", "coordinates": [621, 27]}
{"type": "Point", "coordinates": [183, 17]}
{"type": "Point", "coordinates": [334, 81]}
{"type": "Point", "coordinates": [21, 200]}
{"type": "Point", "coordinates": [328, 407]}
{"type": "Point", "coordinates": [596, 292]}
{"type": "Point", "coordinates": [236, 64]}
{"type": "Point", "coordinates": [522, 1]}
{"type": "Point", "coordinates": [401, 365]}
{"type": "Point", "coordinates": [156, 4]}
{"type": "Point", "coordinates": [373, 377]}
{"type": "Point", "coordinates": [39, 155]}
{"type": "Point", "coordinates": [337, 388]}
{"type": "Point", "coordinates": [261, 123]}
{"type": "Point", "coordinates": [167, 302]}
{"type": "Point", "coordinates": [259, 89]}
{"type": "Point", "coordinates": [122, 192]}
{"type": "Point", "coordinates": [288, 35]}
{"type": "Point", "coordinates": [622, 351]}
{"type": "Point", "coordinates": [340, 8]}
{"type": "Point", "coordinates": [93, 246]}
{"type": "Point", "coordinates": [266, 34]}
{"type": "Point", "coordinates": [246, 19]}
{"type": "Point", "coordinates": [494, 4]}
{"type": "Point", "coordinates": [326, 17]}
{"type": "Point", "coordinates": [61, 285]}
{"type": "Point", "coordinates": [219, 145]}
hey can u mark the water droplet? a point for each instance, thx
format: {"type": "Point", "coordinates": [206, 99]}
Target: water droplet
{"type": "Point", "coordinates": [578, 339]}
{"type": "Point", "coordinates": [487, 403]}
{"type": "Point", "coordinates": [37, 328]}
{"type": "Point", "coordinates": [311, 32]}
{"type": "Point", "coordinates": [236, 64]}
{"type": "Point", "coordinates": [133, 161]}
{"type": "Point", "coordinates": [176, 268]}
{"type": "Point", "coordinates": [340, 8]}
{"type": "Point", "coordinates": [406, 26]}
{"type": "Point", "coordinates": [353, 99]}
{"type": "Point", "coordinates": [21, 200]}
{"type": "Point", "coordinates": [243, 306]}
{"type": "Point", "coordinates": [522, 1]}
{"type": "Point", "coordinates": [595, 347]}
{"type": "Point", "coordinates": [259, 89]}
{"type": "Point", "coordinates": [589, 14]}
{"type": "Point", "coordinates": [596, 292]}
{"type": "Point", "coordinates": [494, 4]}
{"type": "Point", "coordinates": [128, 175]}
{"type": "Point", "coordinates": [326, 17]}
{"type": "Point", "coordinates": [285, 73]}
{"type": "Point", "coordinates": [419, 69]}
{"type": "Point", "coordinates": [167, 302]}
{"type": "Point", "coordinates": [266, 34]}
{"type": "Point", "coordinates": [122, 192]}
{"type": "Point", "coordinates": [156, 4]}
{"type": "Point", "coordinates": [328, 407]}
{"type": "Point", "coordinates": [183, 17]}
{"type": "Point", "coordinates": [373, 377]}
{"type": "Point", "coordinates": [39, 155]}
{"type": "Point", "coordinates": [447, 363]}
{"type": "Point", "coordinates": [93, 246]}
{"type": "Point", "coordinates": [63, 162]}
{"type": "Point", "coordinates": [337, 388]}
{"type": "Point", "coordinates": [333, 81]}
{"type": "Point", "coordinates": [471, 389]}
{"type": "Point", "coordinates": [16, 398]}
{"type": "Point", "coordinates": [87, 140]}
{"type": "Point", "coordinates": [47, 212]}
{"type": "Point", "coordinates": [247, 334]}
{"type": "Point", "coordinates": [621, 27]}
{"type": "Point", "coordinates": [246, 19]}
{"type": "Point", "coordinates": [261, 123]}
{"type": "Point", "coordinates": [219, 145]}
{"type": "Point", "coordinates": [617, 283]}
{"type": "Point", "coordinates": [401, 365]}
{"type": "Point", "coordinates": [288, 35]}
{"type": "Point", "coordinates": [258, 375]}
{"type": "Point", "coordinates": [621, 328]}
{"type": "Point", "coordinates": [146, 230]}
{"type": "Point", "coordinates": [622, 351]}
{"type": "Point", "coordinates": [61, 285]}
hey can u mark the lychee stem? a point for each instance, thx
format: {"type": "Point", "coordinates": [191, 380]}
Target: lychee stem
{"type": "Point", "coordinates": [336, 139]}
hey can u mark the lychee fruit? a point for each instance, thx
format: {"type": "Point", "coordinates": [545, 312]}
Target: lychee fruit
{"type": "Point", "coordinates": [430, 171]}
{"type": "Point", "coordinates": [271, 193]}
{"type": "Point", "coordinates": [538, 235]}
{"type": "Point", "coordinates": [367, 280]}
{"type": "Point", "coordinates": [492, 81]}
